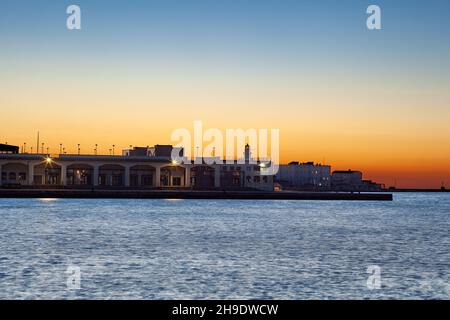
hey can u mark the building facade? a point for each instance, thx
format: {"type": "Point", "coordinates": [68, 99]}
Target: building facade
{"type": "Point", "coordinates": [352, 181]}
{"type": "Point", "coordinates": [138, 168]}
{"type": "Point", "coordinates": [304, 176]}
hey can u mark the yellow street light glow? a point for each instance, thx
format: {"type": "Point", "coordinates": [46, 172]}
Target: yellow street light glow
{"type": "Point", "coordinates": [48, 160]}
{"type": "Point", "coordinates": [174, 162]}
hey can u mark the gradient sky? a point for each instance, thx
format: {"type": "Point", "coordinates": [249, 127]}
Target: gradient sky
{"type": "Point", "coordinates": [377, 101]}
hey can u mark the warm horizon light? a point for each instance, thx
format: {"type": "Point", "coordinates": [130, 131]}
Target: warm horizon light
{"type": "Point", "coordinates": [374, 101]}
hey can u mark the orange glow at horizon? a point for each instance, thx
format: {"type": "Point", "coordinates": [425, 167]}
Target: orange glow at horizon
{"type": "Point", "coordinates": [394, 134]}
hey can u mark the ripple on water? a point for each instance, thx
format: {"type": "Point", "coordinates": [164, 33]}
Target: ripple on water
{"type": "Point", "coordinates": [159, 249]}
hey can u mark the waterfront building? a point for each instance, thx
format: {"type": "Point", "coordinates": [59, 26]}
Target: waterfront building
{"type": "Point", "coordinates": [352, 181]}
{"type": "Point", "coordinates": [304, 176]}
{"type": "Point", "coordinates": [6, 148]}
{"type": "Point", "coordinates": [138, 168]}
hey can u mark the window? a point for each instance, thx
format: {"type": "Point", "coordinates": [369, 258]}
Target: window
{"type": "Point", "coordinates": [134, 180]}
{"type": "Point", "coordinates": [176, 181]}
{"type": "Point", "coordinates": [22, 176]}
{"type": "Point", "coordinates": [256, 179]}
{"type": "Point", "coordinates": [147, 180]}
{"type": "Point", "coordinates": [117, 180]}
{"type": "Point", "coordinates": [12, 176]}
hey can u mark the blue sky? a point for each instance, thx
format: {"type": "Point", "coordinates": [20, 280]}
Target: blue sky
{"type": "Point", "coordinates": [310, 68]}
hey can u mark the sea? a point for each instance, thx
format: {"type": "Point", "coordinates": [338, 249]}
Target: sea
{"type": "Point", "coordinates": [225, 249]}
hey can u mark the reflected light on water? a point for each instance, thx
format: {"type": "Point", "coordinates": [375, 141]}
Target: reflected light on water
{"type": "Point", "coordinates": [48, 199]}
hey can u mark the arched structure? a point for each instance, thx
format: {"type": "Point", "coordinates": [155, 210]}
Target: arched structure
{"type": "Point", "coordinates": [111, 175]}
{"type": "Point", "coordinates": [142, 176]}
{"type": "Point", "coordinates": [47, 173]}
{"type": "Point", "coordinates": [79, 175]}
{"type": "Point", "coordinates": [15, 173]}
{"type": "Point", "coordinates": [173, 176]}
{"type": "Point", "coordinates": [202, 177]}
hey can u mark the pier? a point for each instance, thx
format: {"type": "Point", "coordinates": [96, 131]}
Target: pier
{"type": "Point", "coordinates": [190, 194]}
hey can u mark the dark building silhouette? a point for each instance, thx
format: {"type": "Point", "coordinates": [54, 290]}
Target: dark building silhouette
{"type": "Point", "coordinates": [6, 148]}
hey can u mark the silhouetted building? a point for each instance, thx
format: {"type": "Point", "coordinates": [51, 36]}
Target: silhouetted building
{"type": "Point", "coordinates": [6, 148]}
{"type": "Point", "coordinates": [352, 181]}
{"type": "Point", "coordinates": [306, 176]}
{"type": "Point", "coordinates": [139, 167]}
{"type": "Point", "coordinates": [163, 151]}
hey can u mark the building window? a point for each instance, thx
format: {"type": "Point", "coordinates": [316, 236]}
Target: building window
{"type": "Point", "coordinates": [12, 176]}
{"type": "Point", "coordinates": [3, 175]}
{"type": "Point", "coordinates": [176, 181]}
{"type": "Point", "coordinates": [256, 179]}
{"type": "Point", "coordinates": [22, 176]}
{"type": "Point", "coordinates": [147, 180]}
{"type": "Point", "coordinates": [116, 180]}
{"type": "Point", "coordinates": [134, 180]}
{"type": "Point", "coordinates": [265, 179]}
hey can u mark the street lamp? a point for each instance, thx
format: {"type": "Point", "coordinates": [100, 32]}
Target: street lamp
{"type": "Point", "coordinates": [113, 146]}
{"type": "Point", "coordinates": [60, 148]}
{"type": "Point", "coordinates": [78, 149]}
{"type": "Point", "coordinates": [95, 150]}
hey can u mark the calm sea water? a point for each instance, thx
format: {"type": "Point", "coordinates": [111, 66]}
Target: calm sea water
{"type": "Point", "coordinates": [202, 249]}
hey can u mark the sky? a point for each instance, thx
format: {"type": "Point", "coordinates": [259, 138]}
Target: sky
{"type": "Point", "coordinates": [340, 94]}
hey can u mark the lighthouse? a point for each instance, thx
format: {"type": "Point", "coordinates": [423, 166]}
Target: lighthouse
{"type": "Point", "coordinates": [247, 153]}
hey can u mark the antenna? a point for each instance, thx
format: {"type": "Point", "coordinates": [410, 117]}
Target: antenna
{"type": "Point", "coordinates": [37, 145]}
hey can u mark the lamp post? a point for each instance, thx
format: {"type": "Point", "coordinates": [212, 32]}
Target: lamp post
{"type": "Point", "coordinates": [113, 146]}
{"type": "Point", "coordinates": [78, 149]}
{"type": "Point", "coordinates": [42, 148]}
{"type": "Point", "coordinates": [60, 148]}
